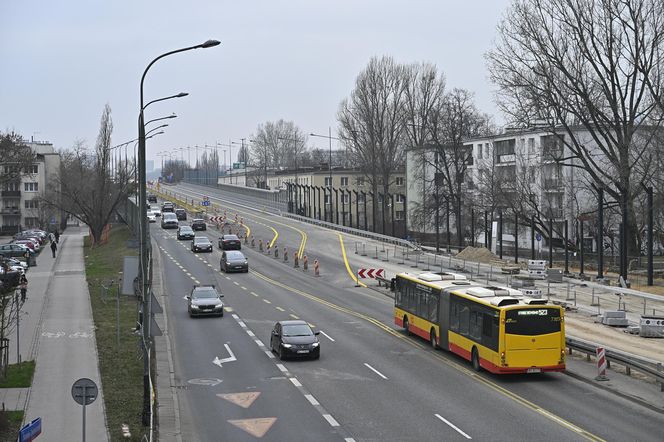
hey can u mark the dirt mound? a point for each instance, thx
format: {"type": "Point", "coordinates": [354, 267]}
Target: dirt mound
{"type": "Point", "coordinates": [478, 254]}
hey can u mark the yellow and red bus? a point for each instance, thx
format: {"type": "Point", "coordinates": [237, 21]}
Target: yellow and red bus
{"type": "Point", "coordinates": [496, 328]}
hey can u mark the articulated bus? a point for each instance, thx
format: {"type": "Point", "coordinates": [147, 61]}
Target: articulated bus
{"type": "Point", "coordinates": [496, 328]}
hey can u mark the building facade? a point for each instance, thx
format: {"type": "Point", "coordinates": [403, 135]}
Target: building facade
{"type": "Point", "coordinates": [20, 201]}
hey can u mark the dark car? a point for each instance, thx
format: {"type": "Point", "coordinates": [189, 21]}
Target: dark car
{"type": "Point", "coordinates": [168, 207]}
{"type": "Point", "coordinates": [152, 198]}
{"type": "Point", "coordinates": [198, 224]}
{"type": "Point", "coordinates": [294, 338]}
{"type": "Point", "coordinates": [201, 244]}
{"type": "Point", "coordinates": [15, 251]}
{"type": "Point", "coordinates": [230, 242]}
{"type": "Point", "coordinates": [181, 214]}
{"type": "Point", "coordinates": [204, 300]}
{"type": "Point", "coordinates": [233, 261]}
{"type": "Point", "coordinates": [185, 232]}
{"type": "Point", "coordinates": [169, 221]}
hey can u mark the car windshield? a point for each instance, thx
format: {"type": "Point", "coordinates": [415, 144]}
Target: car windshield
{"type": "Point", "coordinates": [234, 255]}
{"type": "Point", "coordinates": [205, 293]}
{"type": "Point", "coordinates": [297, 330]}
{"type": "Point", "coordinates": [196, 221]}
{"type": "Point", "coordinates": [186, 229]}
{"type": "Point", "coordinates": [201, 240]}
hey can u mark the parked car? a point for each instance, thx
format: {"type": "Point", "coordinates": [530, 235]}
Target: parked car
{"type": "Point", "coordinates": [205, 300]}
{"type": "Point", "coordinates": [198, 224]}
{"type": "Point", "coordinates": [152, 218]}
{"type": "Point", "coordinates": [152, 198]}
{"type": "Point", "coordinates": [230, 242]}
{"type": "Point", "coordinates": [185, 232]}
{"type": "Point", "coordinates": [15, 251]}
{"type": "Point", "coordinates": [169, 221]}
{"type": "Point", "coordinates": [32, 244]}
{"type": "Point", "coordinates": [201, 244]}
{"type": "Point", "coordinates": [294, 338]}
{"type": "Point", "coordinates": [8, 277]}
{"type": "Point", "coordinates": [233, 261]}
{"type": "Point", "coordinates": [181, 214]}
{"type": "Point", "coordinates": [16, 262]}
{"type": "Point", "coordinates": [168, 206]}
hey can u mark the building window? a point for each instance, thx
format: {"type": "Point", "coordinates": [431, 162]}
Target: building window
{"type": "Point", "coordinates": [327, 199]}
{"type": "Point", "coordinates": [345, 198]}
{"type": "Point", "coordinates": [486, 150]}
{"type": "Point", "coordinates": [531, 145]}
{"type": "Point", "coordinates": [361, 197]}
{"type": "Point", "coordinates": [399, 198]}
{"type": "Point", "coordinates": [399, 181]}
{"type": "Point", "coordinates": [31, 187]}
{"type": "Point", "coordinates": [31, 222]}
{"type": "Point", "coordinates": [479, 152]}
{"type": "Point", "coordinates": [344, 180]}
{"type": "Point", "coordinates": [360, 181]}
{"type": "Point", "coordinates": [398, 215]}
{"type": "Point", "coordinates": [380, 198]}
{"type": "Point", "coordinates": [33, 168]}
{"type": "Point", "coordinates": [328, 180]}
{"type": "Point", "coordinates": [31, 204]}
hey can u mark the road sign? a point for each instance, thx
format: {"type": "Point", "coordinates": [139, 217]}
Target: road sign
{"type": "Point", "coordinates": [370, 273]}
{"type": "Point", "coordinates": [538, 236]}
{"type": "Point", "coordinates": [53, 221]}
{"type": "Point", "coordinates": [84, 391]}
{"type": "Point", "coordinates": [205, 203]}
{"type": "Point", "coordinates": [30, 431]}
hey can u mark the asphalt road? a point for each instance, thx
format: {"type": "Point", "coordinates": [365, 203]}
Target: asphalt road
{"type": "Point", "coordinates": [371, 383]}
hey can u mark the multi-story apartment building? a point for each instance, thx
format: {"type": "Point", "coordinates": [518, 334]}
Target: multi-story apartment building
{"type": "Point", "coordinates": [20, 205]}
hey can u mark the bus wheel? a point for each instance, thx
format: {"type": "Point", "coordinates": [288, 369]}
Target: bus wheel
{"type": "Point", "coordinates": [405, 325]}
{"type": "Point", "coordinates": [475, 359]}
{"type": "Point", "coordinates": [432, 339]}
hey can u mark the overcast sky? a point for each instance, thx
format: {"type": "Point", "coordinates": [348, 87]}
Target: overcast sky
{"type": "Point", "coordinates": [62, 61]}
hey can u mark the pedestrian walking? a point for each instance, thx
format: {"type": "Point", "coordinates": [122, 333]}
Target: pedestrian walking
{"type": "Point", "coordinates": [51, 237]}
{"type": "Point", "coordinates": [23, 284]}
{"type": "Point", "coordinates": [57, 237]}
{"type": "Point", "coordinates": [54, 247]}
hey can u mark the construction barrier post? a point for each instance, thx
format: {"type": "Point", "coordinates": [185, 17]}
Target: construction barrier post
{"type": "Point", "coordinates": [305, 263]}
{"type": "Point", "coordinates": [296, 261]}
{"type": "Point", "coordinates": [316, 268]}
{"type": "Point", "coordinates": [276, 251]}
{"type": "Point", "coordinates": [260, 245]}
{"type": "Point", "coordinates": [253, 242]}
{"type": "Point", "coordinates": [285, 254]}
{"type": "Point", "coordinates": [601, 364]}
{"type": "Point", "coordinates": [246, 239]}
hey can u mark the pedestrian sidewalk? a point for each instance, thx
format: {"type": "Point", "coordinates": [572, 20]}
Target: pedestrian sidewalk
{"type": "Point", "coordinates": [59, 321]}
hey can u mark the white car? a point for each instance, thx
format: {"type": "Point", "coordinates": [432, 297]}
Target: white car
{"type": "Point", "coordinates": [156, 211]}
{"type": "Point", "coordinates": [16, 262]}
{"type": "Point", "coordinates": [152, 218]}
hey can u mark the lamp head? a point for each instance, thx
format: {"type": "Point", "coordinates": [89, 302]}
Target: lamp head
{"type": "Point", "coordinates": [210, 43]}
{"type": "Point", "coordinates": [182, 94]}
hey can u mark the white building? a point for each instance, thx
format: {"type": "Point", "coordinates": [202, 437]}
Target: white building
{"type": "Point", "coordinates": [20, 207]}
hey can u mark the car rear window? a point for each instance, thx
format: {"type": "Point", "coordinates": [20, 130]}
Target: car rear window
{"type": "Point", "coordinates": [230, 238]}
{"type": "Point", "coordinates": [234, 255]}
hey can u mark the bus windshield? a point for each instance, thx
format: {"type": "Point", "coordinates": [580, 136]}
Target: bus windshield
{"type": "Point", "coordinates": [532, 321]}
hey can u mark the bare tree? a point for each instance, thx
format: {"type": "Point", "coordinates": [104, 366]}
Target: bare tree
{"type": "Point", "coordinates": [15, 158]}
{"type": "Point", "coordinates": [372, 123]}
{"type": "Point", "coordinates": [590, 65]}
{"type": "Point", "coordinates": [277, 145]}
{"type": "Point", "coordinates": [87, 188]}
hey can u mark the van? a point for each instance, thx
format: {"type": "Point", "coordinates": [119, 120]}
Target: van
{"type": "Point", "coordinates": [169, 221]}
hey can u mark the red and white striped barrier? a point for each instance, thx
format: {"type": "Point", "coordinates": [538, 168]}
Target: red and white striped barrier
{"type": "Point", "coordinates": [601, 364]}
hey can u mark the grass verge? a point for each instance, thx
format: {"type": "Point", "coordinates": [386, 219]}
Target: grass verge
{"type": "Point", "coordinates": [10, 424]}
{"type": "Point", "coordinates": [19, 375]}
{"type": "Point", "coordinates": [121, 366]}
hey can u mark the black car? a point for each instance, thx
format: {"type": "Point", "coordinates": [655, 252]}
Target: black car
{"type": "Point", "coordinates": [201, 244]}
{"type": "Point", "coordinates": [198, 224]}
{"type": "Point", "coordinates": [230, 242]}
{"type": "Point", "coordinates": [152, 198]}
{"type": "Point", "coordinates": [233, 261]}
{"type": "Point", "coordinates": [181, 214]}
{"type": "Point", "coordinates": [294, 338]}
{"type": "Point", "coordinates": [204, 300]}
{"type": "Point", "coordinates": [167, 207]}
{"type": "Point", "coordinates": [185, 232]}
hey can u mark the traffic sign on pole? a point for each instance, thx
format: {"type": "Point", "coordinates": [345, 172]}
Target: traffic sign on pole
{"type": "Point", "coordinates": [84, 391]}
{"type": "Point", "coordinates": [538, 236]}
{"type": "Point", "coordinates": [30, 431]}
{"type": "Point", "coordinates": [370, 273]}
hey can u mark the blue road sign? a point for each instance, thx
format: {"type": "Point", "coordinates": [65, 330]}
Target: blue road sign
{"type": "Point", "coordinates": [538, 236]}
{"type": "Point", "coordinates": [30, 431]}
{"type": "Point", "coordinates": [53, 221]}
{"type": "Point", "coordinates": [205, 203]}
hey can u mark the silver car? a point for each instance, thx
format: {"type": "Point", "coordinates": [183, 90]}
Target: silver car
{"type": "Point", "coordinates": [204, 300]}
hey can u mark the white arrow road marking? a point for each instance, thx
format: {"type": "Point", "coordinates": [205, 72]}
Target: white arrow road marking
{"type": "Point", "coordinates": [231, 358]}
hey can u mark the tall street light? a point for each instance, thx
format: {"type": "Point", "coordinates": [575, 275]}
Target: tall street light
{"type": "Point", "coordinates": [143, 228]}
{"type": "Point", "coordinates": [330, 138]}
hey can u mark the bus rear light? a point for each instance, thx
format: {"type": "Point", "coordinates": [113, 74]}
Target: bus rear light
{"type": "Point", "coordinates": [502, 359]}
{"type": "Point", "coordinates": [562, 356]}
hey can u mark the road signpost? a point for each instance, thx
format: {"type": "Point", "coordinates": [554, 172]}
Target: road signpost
{"type": "Point", "coordinates": [84, 391]}
{"type": "Point", "coordinates": [370, 273]}
{"type": "Point", "coordinates": [30, 431]}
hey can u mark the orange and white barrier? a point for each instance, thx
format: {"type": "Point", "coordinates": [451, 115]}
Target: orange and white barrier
{"type": "Point", "coordinates": [601, 364]}
{"type": "Point", "coordinates": [316, 268]}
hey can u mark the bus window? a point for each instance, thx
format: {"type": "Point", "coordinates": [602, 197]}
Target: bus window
{"type": "Point", "coordinates": [454, 316]}
{"type": "Point", "coordinates": [475, 325]}
{"type": "Point", "coordinates": [464, 319]}
{"type": "Point", "coordinates": [532, 321]}
{"type": "Point", "coordinates": [433, 308]}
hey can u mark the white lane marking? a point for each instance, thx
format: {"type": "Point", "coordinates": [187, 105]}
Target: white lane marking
{"type": "Point", "coordinates": [250, 333]}
{"type": "Point", "coordinates": [560, 421]}
{"type": "Point", "coordinates": [209, 265]}
{"type": "Point", "coordinates": [255, 294]}
{"type": "Point", "coordinates": [326, 335]}
{"type": "Point", "coordinates": [242, 324]}
{"type": "Point", "coordinates": [280, 309]}
{"type": "Point", "coordinates": [231, 358]}
{"type": "Point", "coordinates": [349, 439]}
{"type": "Point", "coordinates": [312, 400]}
{"type": "Point", "coordinates": [293, 316]}
{"type": "Point", "coordinates": [259, 342]}
{"type": "Point", "coordinates": [243, 288]}
{"type": "Point", "coordinates": [236, 317]}
{"type": "Point", "coordinates": [295, 382]}
{"type": "Point", "coordinates": [269, 354]}
{"type": "Point", "coordinates": [236, 283]}
{"type": "Point", "coordinates": [282, 368]}
{"type": "Point", "coordinates": [228, 278]}
{"type": "Point", "coordinates": [266, 301]}
{"type": "Point", "coordinates": [375, 371]}
{"type": "Point", "coordinates": [452, 426]}
{"type": "Point", "coordinates": [330, 420]}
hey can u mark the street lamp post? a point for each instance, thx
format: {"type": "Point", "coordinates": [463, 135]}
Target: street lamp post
{"type": "Point", "coordinates": [330, 138]}
{"type": "Point", "coordinates": [145, 251]}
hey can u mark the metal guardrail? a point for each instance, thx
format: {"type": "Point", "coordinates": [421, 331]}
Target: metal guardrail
{"type": "Point", "coordinates": [631, 362]}
{"type": "Point", "coordinates": [353, 231]}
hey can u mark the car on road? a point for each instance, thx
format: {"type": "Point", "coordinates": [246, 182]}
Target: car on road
{"type": "Point", "coordinates": [185, 232]}
{"type": "Point", "coordinates": [230, 242]}
{"type": "Point", "coordinates": [201, 244]}
{"type": "Point", "coordinates": [233, 261]}
{"type": "Point", "coordinates": [15, 251]}
{"type": "Point", "coordinates": [152, 198]}
{"type": "Point", "coordinates": [152, 218]}
{"type": "Point", "coordinates": [181, 214]}
{"type": "Point", "coordinates": [155, 211]}
{"type": "Point", "coordinates": [204, 300]}
{"type": "Point", "coordinates": [296, 339]}
{"type": "Point", "coordinates": [169, 221]}
{"type": "Point", "coordinates": [198, 224]}
{"type": "Point", "coordinates": [168, 206]}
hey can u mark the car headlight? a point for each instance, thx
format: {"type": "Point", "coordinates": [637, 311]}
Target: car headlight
{"type": "Point", "coordinates": [220, 305]}
{"type": "Point", "coordinates": [246, 262]}
{"type": "Point", "coordinates": [287, 345]}
{"type": "Point", "coordinates": [315, 344]}
{"type": "Point", "coordinates": [228, 263]}
{"type": "Point", "coordinates": [194, 306]}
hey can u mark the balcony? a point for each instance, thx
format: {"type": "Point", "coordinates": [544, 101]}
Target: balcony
{"type": "Point", "coordinates": [8, 193]}
{"type": "Point", "coordinates": [507, 158]}
{"type": "Point", "coordinates": [553, 184]}
{"type": "Point", "coordinates": [9, 230]}
{"type": "Point", "coordinates": [10, 211]}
